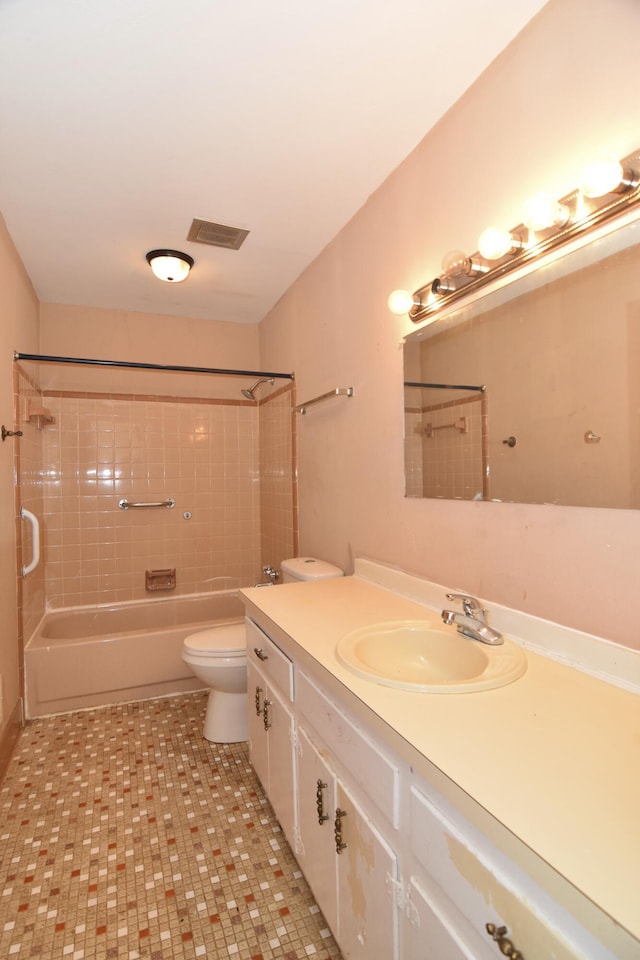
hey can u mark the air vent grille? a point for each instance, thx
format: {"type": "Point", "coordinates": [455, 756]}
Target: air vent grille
{"type": "Point", "coordinates": [217, 234]}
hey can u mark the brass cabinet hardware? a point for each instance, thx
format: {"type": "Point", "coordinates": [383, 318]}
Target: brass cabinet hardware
{"type": "Point", "coordinates": [337, 830]}
{"type": "Point", "coordinates": [257, 701]}
{"type": "Point", "coordinates": [507, 949]}
{"type": "Point", "coordinates": [9, 433]}
{"type": "Point", "coordinates": [265, 714]}
{"type": "Point", "coordinates": [322, 816]}
{"type": "Point", "coordinates": [260, 654]}
{"type": "Point", "coordinates": [510, 441]}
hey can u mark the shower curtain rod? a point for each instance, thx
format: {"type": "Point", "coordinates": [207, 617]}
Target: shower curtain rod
{"type": "Point", "coordinates": [176, 368]}
{"type": "Point", "coordinates": [445, 386]}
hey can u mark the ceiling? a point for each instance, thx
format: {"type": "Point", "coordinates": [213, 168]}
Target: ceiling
{"type": "Point", "coordinates": [121, 122]}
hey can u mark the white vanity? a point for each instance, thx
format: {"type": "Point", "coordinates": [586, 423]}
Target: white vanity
{"type": "Point", "coordinates": [460, 826]}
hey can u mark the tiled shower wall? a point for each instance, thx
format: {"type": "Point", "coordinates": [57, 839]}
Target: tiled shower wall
{"type": "Point", "coordinates": [204, 454]}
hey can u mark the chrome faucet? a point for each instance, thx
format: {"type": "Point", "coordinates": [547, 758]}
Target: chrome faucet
{"type": "Point", "coordinates": [472, 621]}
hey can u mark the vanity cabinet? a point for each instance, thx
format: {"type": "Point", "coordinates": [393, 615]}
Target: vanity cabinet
{"type": "Point", "coordinates": [271, 724]}
{"type": "Point", "coordinates": [396, 868]}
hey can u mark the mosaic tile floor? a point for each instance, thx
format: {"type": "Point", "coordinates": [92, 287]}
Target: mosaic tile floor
{"type": "Point", "coordinates": [124, 834]}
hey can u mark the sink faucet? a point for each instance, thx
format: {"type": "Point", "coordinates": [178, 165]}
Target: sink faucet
{"type": "Point", "coordinates": [472, 621]}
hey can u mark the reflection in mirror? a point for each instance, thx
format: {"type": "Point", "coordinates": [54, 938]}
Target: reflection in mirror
{"type": "Point", "coordinates": [532, 394]}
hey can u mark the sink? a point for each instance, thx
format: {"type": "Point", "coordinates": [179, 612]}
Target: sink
{"type": "Point", "coordinates": [428, 657]}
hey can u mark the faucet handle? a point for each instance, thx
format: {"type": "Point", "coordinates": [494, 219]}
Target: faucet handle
{"type": "Point", "coordinates": [470, 605]}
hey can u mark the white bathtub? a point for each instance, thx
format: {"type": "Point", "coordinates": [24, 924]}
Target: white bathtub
{"type": "Point", "coordinates": [93, 656]}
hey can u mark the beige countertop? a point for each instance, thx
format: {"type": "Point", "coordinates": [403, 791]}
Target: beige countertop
{"type": "Point", "coordinates": [554, 756]}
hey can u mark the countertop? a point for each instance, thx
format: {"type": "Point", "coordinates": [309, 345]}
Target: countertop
{"type": "Point", "coordinates": [554, 756]}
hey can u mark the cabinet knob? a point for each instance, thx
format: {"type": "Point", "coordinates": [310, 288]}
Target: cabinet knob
{"type": "Point", "coordinates": [505, 946]}
{"type": "Point", "coordinates": [322, 816]}
{"type": "Point", "coordinates": [337, 830]}
{"type": "Point", "coordinates": [260, 654]}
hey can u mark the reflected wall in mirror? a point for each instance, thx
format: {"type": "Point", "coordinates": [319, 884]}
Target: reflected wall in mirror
{"type": "Point", "coordinates": [532, 393]}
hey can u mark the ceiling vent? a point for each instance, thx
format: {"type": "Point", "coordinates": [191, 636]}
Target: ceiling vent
{"type": "Point", "coordinates": [217, 234]}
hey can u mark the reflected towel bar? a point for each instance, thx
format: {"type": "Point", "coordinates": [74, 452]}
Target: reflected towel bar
{"type": "Point", "coordinates": [338, 392]}
{"type": "Point", "coordinates": [445, 386]}
{"type": "Point", "coordinates": [130, 504]}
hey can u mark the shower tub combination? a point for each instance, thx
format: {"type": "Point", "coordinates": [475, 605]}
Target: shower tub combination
{"type": "Point", "coordinates": [94, 656]}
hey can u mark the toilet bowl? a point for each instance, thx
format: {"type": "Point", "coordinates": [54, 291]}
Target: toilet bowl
{"type": "Point", "coordinates": [217, 656]}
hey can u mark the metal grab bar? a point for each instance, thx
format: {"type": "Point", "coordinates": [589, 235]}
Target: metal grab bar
{"type": "Point", "coordinates": [338, 392]}
{"type": "Point", "coordinates": [131, 504]}
{"type": "Point", "coordinates": [35, 541]}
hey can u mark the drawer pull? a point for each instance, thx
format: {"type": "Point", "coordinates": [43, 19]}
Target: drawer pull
{"type": "Point", "coordinates": [337, 830]}
{"type": "Point", "coordinates": [322, 816]}
{"type": "Point", "coordinates": [260, 654]}
{"type": "Point", "coordinates": [265, 714]}
{"type": "Point", "coordinates": [257, 701]}
{"type": "Point", "coordinates": [507, 949]}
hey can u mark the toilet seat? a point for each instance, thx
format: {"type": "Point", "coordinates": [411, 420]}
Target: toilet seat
{"type": "Point", "coordinates": [223, 641]}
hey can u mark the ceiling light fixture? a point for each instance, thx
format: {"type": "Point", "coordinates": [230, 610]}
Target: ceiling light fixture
{"type": "Point", "coordinates": [607, 191]}
{"type": "Point", "coordinates": [170, 265]}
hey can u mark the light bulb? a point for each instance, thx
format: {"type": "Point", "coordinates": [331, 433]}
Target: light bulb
{"type": "Point", "coordinates": [400, 302]}
{"type": "Point", "coordinates": [457, 264]}
{"type": "Point", "coordinates": [542, 212]}
{"type": "Point", "coordinates": [601, 178]}
{"type": "Point", "coordinates": [494, 243]}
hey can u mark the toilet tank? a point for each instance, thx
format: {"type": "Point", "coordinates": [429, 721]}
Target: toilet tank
{"type": "Point", "coordinates": [308, 568]}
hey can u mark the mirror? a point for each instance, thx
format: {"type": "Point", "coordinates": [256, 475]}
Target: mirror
{"type": "Point", "coordinates": [531, 394]}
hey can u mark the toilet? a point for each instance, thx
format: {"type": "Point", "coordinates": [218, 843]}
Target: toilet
{"type": "Point", "coordinates": [308, 568]}
{"type": "Point", "coordinates": [218, 657]}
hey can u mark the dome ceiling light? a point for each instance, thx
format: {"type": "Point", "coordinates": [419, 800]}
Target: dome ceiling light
{"type": "Point", "coordinates": [170, 265]}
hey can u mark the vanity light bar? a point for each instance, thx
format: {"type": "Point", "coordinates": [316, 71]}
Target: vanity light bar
{"type": "Point", "coordinates": [575, 215]}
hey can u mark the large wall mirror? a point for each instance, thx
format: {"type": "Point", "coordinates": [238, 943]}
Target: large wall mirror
{"type": "Point", "coordinates": [532, 393]}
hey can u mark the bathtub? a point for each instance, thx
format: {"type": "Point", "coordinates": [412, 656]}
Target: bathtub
{"type": "Point", "coordinates": [94, 656]}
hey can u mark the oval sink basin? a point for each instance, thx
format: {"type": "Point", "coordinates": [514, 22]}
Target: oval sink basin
{"type": "Point", "coordinates": [428, 657]}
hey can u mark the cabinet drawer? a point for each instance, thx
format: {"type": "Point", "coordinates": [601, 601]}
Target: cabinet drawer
{"type": "Point", "coordinates": [486, 887]}
{"type": "Point", "coordinates": [275, 664]}
{"type": "Point", "coordinates": [377, 776]}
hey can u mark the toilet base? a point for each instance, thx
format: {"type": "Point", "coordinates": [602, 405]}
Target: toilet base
{"type": "Point", "coordinates": [226, 717]}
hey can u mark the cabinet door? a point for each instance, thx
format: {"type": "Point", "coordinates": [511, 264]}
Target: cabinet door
{"type": "Point", "coordinates": [367, 875]}
{"type": "Point", "coordinates": [316, 810]}
{"type": "Point", "coordinates": [258, 748]}
{"type": "Point", "coordinates": [279, 736]}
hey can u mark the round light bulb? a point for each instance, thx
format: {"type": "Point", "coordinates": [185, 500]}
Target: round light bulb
{"type": "Point", "coordinates": [400, 302]}
{"type": "Point", "coordinates": [542, 212]}
{"type": "Point", "coordinates": [494, 243]}
{"type": "Point", "coordinates": [456, 264]}
{"type": "Point", "coordinates": [601, 178]}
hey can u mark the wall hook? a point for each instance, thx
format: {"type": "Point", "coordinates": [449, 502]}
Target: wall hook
{"type": "Point", "coordinates": [510, 441]}
{"type": "Point", "coordinates": [9, 433]}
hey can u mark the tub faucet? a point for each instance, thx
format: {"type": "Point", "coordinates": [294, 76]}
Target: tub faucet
{"type": "Point", "coordinates": [472, 621]}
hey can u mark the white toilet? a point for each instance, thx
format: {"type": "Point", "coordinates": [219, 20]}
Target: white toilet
{"type": "Point", "coordinates": [218, 657]}
{"type": "Point", "coordinates": [308, 568]}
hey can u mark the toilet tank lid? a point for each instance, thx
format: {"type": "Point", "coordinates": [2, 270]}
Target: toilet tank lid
{"type": "Point", "coordinates": [227, 638]}
{"type": "Point", "coordinates": [309, 568]}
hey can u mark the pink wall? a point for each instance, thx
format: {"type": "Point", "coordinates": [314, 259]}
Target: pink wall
{"type": "Point", "coordinates": [542, 111]}
{"type": "Point", "coordinates": [18, 324]}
